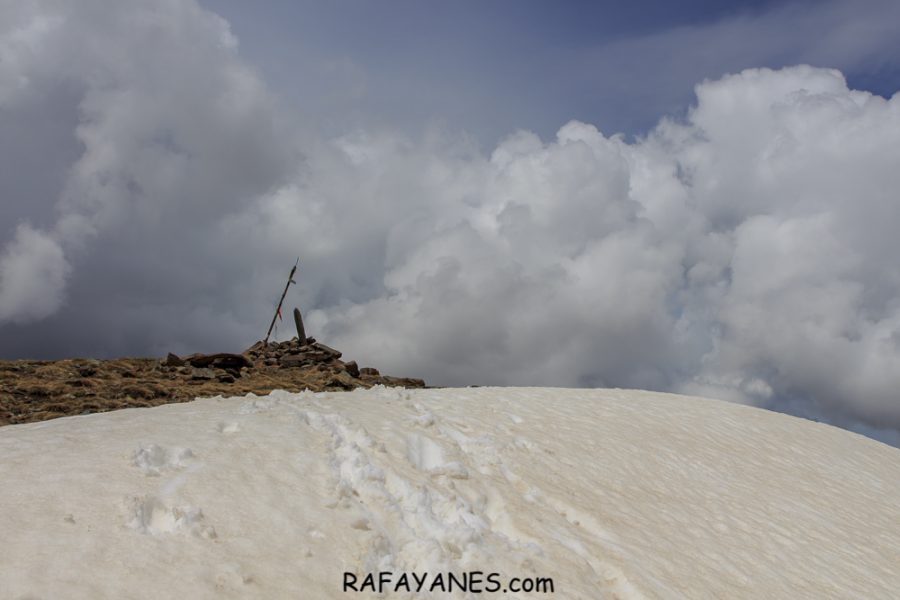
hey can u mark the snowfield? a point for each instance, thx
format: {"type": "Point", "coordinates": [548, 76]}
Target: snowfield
{"type": "Point", "coordinates": [609, 493]}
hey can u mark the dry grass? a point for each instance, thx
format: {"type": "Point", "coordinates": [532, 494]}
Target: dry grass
{"type": "Point", "coordinates": [40, 390]}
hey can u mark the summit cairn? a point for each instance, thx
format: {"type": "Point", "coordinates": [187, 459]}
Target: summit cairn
{"type": "Point", "coordinates": [311, 355]}
{"type": "Point", "coordinates": [40, 390]}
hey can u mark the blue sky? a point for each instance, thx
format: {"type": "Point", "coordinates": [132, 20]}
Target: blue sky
{"type": "Point", "coordinates": [493, 67]}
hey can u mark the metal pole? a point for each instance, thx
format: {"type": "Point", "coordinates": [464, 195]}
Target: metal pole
{"type": "Point", "coordinates": [278, 310]}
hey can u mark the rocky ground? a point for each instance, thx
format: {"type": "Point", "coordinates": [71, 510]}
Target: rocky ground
{"type": "Point", "coordinates": [39, 390]}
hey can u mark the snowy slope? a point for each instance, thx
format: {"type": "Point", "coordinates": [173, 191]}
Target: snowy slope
{"type": "Point", "coordinates": [612, 494]}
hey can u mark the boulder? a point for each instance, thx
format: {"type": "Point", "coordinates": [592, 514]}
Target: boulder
{"type": "Point", "coordinates": [298, 322]}
{"type": "Point", "coordinates": [172, 360]}
{"type": "Point", "coordinates": [294, 360]}
{"type": "Point", "coordinates": [352, 368]}
{"type": "Point", "coordinates": [202, 374]}
{"type": "Point", "coordinates": [259, 346]}
{"type": "Point", "coordinates": [223, 360]}
{"type": "Point", "coordinates": [342, 380]}
{"type": "Point", "coordinates": [326, 349]}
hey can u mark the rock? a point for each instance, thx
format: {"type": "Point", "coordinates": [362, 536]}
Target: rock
{"type": "Point", "coordinates": [369, 371]}
{"type": "Point", "coordinates": [326, 349]}
{"type": "Point", "coordinates": [223, 360]}
{"type": "Point", "coordinates": [172, 360]}
{"type": "Point", "coordinates": [226, 378]}
{"type": "Point", "coordinates": [352, 368]}
{"type": "Point", "coordinates": [259, 346]}
{"type": "Point", "coordinates": [87, 371]}
{"type": "Point", "coordinates": [202, 374]}
{"type": "Point", "coordinates": [298, 322]}
{"type": "Point", "coordinates": [342, 380]}
{"type": "Point", "coordinates": [294, 360]}
{"type": "Point", "coordinates": [407, 382]}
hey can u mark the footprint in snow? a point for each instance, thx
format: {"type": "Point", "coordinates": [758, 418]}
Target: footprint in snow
{"type": "Point", "coordinates": [154, 459]}
{"type": "Point", "coordinates": [229, 427]}
{"type": "Point", "coordinates": [151, 516]}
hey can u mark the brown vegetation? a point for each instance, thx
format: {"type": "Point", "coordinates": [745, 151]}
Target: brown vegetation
{"type": "Point", "coordinates": [40, 390]}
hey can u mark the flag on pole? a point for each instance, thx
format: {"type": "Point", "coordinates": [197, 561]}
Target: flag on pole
{"type": "Point", "coordinates": [277, 316]}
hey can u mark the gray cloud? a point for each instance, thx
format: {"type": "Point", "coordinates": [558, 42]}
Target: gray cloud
{"type": "Point", "coordinates": [33, 270]}
{"type": "Point", "coordinates": [743, 252]}
{"type": "Point", "coordinates": [641, 77]}
{"type": "Point", "coordinates": [173, 132]}
{"type": "Point", "coordinates": [492, 68]}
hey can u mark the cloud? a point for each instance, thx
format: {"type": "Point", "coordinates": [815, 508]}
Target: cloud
{"type": "Point", "coordinates": [745, 251]}
{"type": "Point", "coordinates": [641, 77]}
{"type": "Point", "coordinates": [33, 273]}
{"type": "Point", "coordinates": [171, 132]}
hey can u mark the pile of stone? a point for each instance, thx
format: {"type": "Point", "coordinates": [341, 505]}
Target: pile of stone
{"type": "Point", "coordinates": [294, 354]}
{"type": "Point", "coordinates": [223, 367]}
{"type": "Point", "coordinates": [39, 390]}
{"type": "Point", "coordinates": [308, 353]}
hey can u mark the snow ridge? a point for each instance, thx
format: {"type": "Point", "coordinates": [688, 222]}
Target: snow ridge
{"type": "Point", "coordinates": [613, 494]}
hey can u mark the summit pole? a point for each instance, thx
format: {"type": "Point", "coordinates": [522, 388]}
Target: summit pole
{"type": "Point", "coordinates": [283, 294]}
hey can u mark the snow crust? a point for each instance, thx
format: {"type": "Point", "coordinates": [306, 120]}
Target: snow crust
{"type": "Point", "coordinates": [612, 493]}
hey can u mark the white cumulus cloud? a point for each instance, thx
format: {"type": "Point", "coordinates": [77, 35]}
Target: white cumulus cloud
{"type": "Point", "coordinates": [33, 271]}
{"type": "Point", "coordinates": [746, 251]}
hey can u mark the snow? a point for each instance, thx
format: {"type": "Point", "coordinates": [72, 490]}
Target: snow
{"type": "Point", "coordinates": [611, 493]}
